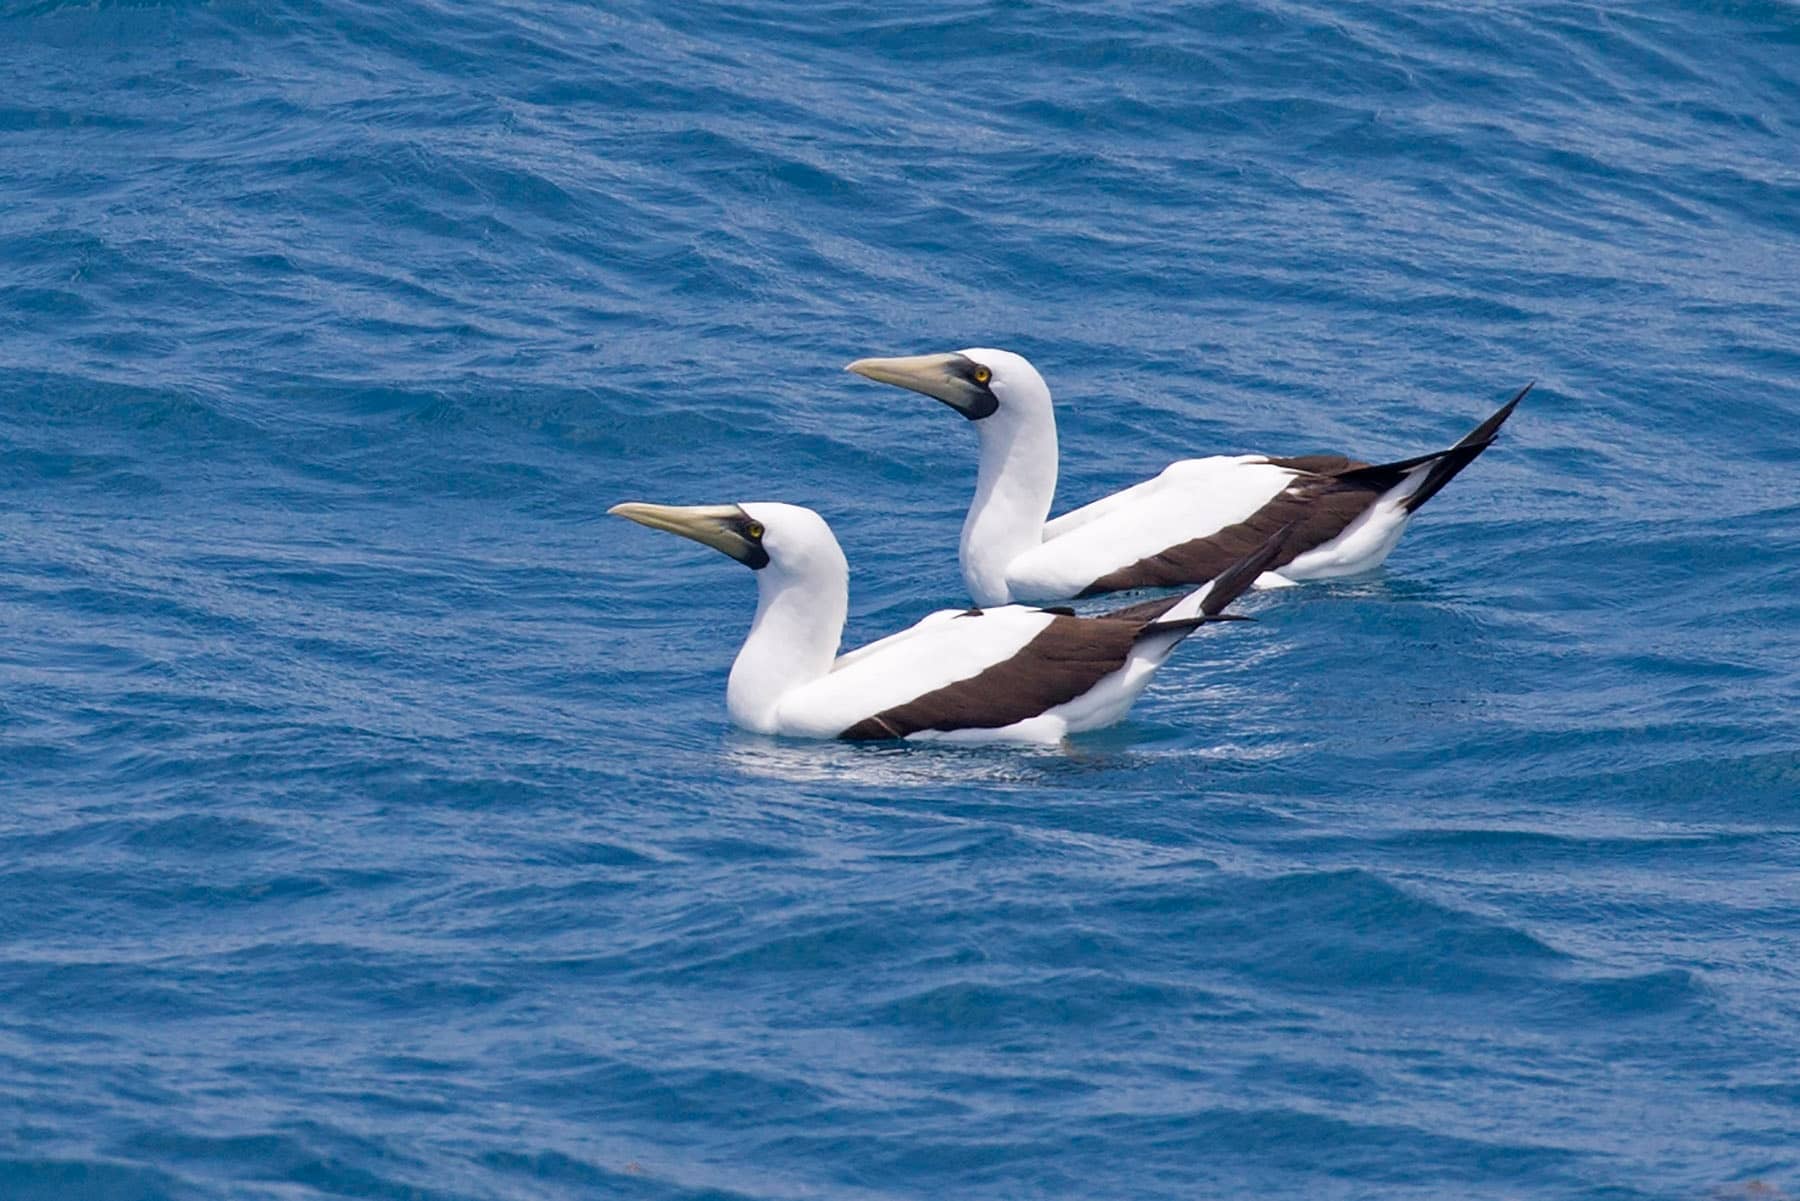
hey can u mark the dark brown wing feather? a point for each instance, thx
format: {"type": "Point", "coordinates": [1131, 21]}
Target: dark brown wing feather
{"type": "Point", "coordinates": [1068, 657]}
{"type": "Point", "coordinates": [1331, 493]}
{"type": "Point", "coordinates": [1318, 507]}
{"type": "Point", "coordinates": [1320, 464]}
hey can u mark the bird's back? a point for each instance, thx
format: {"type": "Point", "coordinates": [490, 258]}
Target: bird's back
{"type": "Point", "coordinates": [985, 669]}
{"type": "Point", "coordinates": [1189, 501]}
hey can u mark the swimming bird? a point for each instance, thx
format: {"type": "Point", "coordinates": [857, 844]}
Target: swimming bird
{"type": "Point", "coordinates": [1010, 673]}
{"type": "Point", "coordinates": [1183, 526]}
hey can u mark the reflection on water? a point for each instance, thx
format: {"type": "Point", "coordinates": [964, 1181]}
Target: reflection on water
{"type": "Point", "coordinates": [1123, 748]}
{"type": "Point", "coordinates": [894, 765]}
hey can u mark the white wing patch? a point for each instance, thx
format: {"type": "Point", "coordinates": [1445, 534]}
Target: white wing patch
{"type": "Point", "coordinates": [1363, 545]}
{"type": "Point", "coordinates": [1194, 498]}
{"type": "Point", "coordinates": [945, 647]}
{"type": "Point", "coordinates": [892, 640]}
{"type": "Point", "coordinates": [1106, 702]}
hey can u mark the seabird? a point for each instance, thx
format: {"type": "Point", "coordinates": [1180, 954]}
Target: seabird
{"type": "Point", "coordinates": [1181, 527]}
{"type": "Point", "coordinates": [1011, 673]}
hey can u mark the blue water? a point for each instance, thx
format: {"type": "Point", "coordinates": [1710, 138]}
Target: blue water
{"type": "Point", "coordinates": [370, 826]}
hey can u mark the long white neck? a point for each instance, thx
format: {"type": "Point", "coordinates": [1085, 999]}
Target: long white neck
{"type": "Point", "coordinates": [793, 639]}
{"type": "Point", "coordinates": [1013, 492]}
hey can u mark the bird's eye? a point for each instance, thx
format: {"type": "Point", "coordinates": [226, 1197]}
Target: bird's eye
{"type": "Point", "coordinates": [754, 529]}
{"type": "Point", "coordinates": [983, 375]}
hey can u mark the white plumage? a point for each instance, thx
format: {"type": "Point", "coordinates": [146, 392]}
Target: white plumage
{"type": "Point", "coordinates": [1186, 500]}
{"type": "Point", "coordinates": [1005, 673]}
{"type": "Point", "coordinates": [1181, 527]}
{"type": "Point", "coordinates": [941, 650]}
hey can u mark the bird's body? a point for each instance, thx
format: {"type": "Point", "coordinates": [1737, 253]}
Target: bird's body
{"type": "Point", "coordinates": [1010, 673]}
{"type": "Point", "coordinates": [1179, 528]}
{"type": "Point", "coordinates": [981, 674]}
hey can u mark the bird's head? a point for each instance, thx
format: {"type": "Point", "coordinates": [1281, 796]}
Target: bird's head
{"type": "Point", "coordinates": [788, 539]}
{"type": "Point", "coordinates": [983, 384]}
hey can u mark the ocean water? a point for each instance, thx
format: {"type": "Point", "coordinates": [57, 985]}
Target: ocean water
{"type": "Point", "coordinates": [370, 825]}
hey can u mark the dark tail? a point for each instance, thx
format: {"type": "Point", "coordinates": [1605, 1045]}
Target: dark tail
{"type": "Point", "coordinates": [1230, 584]}
{"type": "Point", "coordinates": [1445, 464]}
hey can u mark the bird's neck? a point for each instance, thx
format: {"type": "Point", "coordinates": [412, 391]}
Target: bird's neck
{"type": "Point", "coordinates": [1013, 492]}
{"type": "Point", "coordinates": [793, 641]}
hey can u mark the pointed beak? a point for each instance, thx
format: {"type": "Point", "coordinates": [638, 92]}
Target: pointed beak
{"type": "Point", "coordinates": [946, 377]}
{"type": "Point", "coordinates": [725, 528]}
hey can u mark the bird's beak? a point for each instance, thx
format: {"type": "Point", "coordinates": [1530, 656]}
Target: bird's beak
{"type": "Point", "coordinates": [725, 528]}
{"type": "Point", "coordinates": [946, 377]}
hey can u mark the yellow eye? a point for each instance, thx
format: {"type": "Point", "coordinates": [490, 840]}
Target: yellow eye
{"type": "Point", "coordinates": [983, 375]}
{"type": "Point", "coordinates": [754, 529]}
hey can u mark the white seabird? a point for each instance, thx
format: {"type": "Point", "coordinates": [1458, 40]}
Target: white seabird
{"type": "Point", "coordinates": [1009, 674]}
{"type": "Point", "coordinates": [1182, 527]}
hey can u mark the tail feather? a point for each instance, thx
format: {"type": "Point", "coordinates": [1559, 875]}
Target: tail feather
{"type": "Point", "coordinates": [1444, 464]}
{"type": "Point", "coordinates": [1235, 580]}
{"type": "Point", "coordinates": [1193, 623]}
{"type": "Point", "coordinates": [1207, 603]}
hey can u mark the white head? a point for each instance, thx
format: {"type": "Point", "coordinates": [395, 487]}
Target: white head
{"type": "Point", "coordinates": [798, 543]}
{"type": "Point", "coordinates": [993, 388]}
{"type": "Point", "coordinates": [803, 587]}
{"type": "Point", "coordinates": [781, 543]}
{"type": "Point", "coordinates": [1009, 404]}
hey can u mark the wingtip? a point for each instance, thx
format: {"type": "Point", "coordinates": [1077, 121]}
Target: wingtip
{"type": "Point", "coordinates": [1235, 580]}
{"type": "Point", "coordinates": [1512, 404]}
{"type": "Point", "coordinates": [1484, 434]}
{"type": "Point", "coordinates": [1272, 546]}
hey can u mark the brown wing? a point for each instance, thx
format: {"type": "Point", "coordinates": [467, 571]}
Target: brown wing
{"type": "Point", "coordinates": [1320, 464]}
{"type": "Point", "coordinates": [1068, 657]}
{"type": "Point", "coordinates": [1318, 507]}
{"type": "Point", "coordinates": [1333, 491]}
